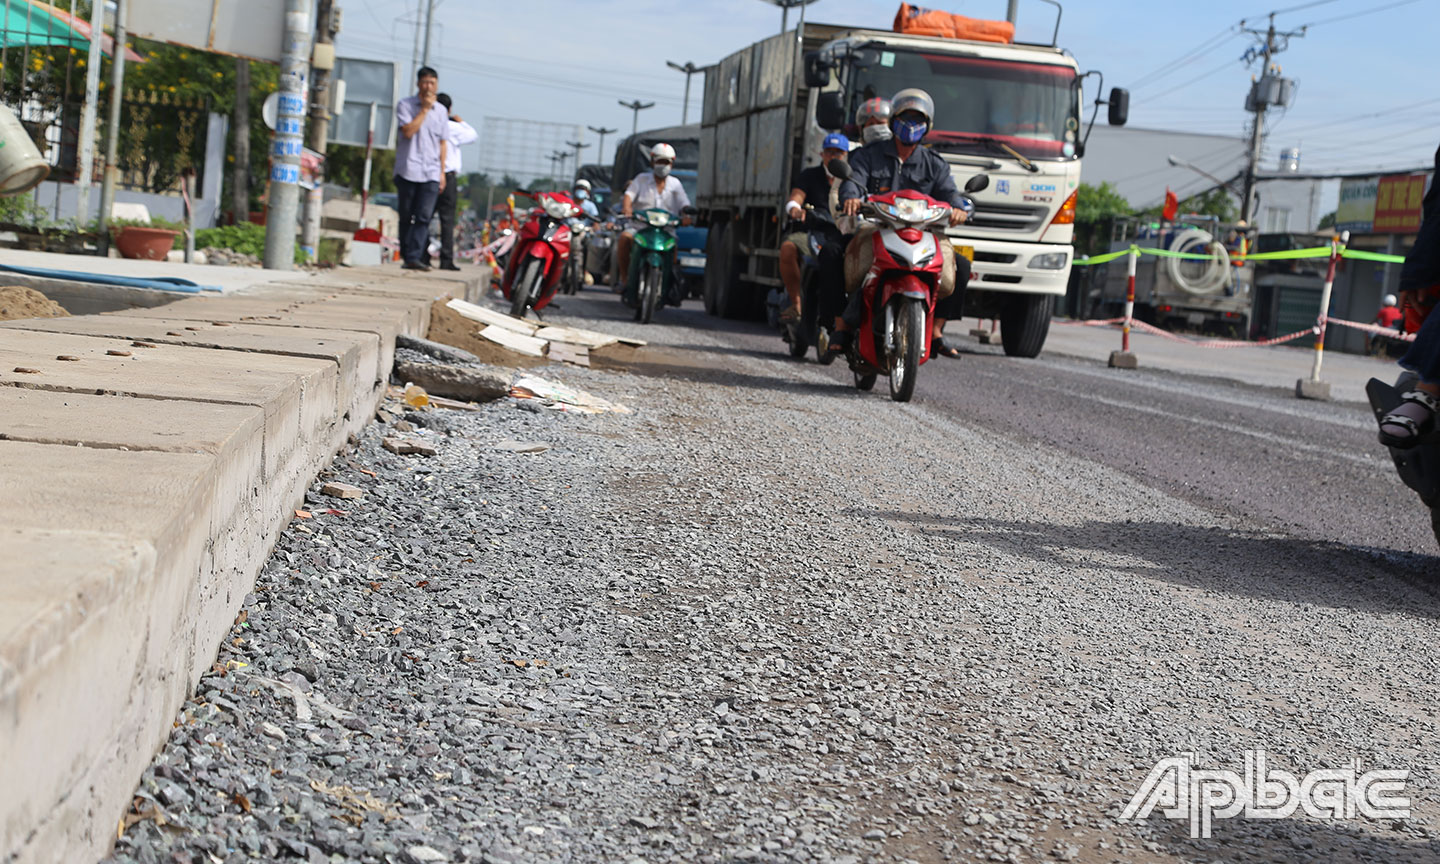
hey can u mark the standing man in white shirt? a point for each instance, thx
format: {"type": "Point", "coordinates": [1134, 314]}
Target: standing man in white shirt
{"type": "Point", "coordinates": [653, 188]}
{"type": "Point", "coordinates": [419, 156]}
{"type": "Point", "coordinates": [460, 133]}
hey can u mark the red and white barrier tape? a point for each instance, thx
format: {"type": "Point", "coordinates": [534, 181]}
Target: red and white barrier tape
{"type": "Point", "coordinates": [1106, 322]}
{"type": "Point", "coordinates": [1373, 328]}
{"type": "Point", "coordinates": [1241, 343]}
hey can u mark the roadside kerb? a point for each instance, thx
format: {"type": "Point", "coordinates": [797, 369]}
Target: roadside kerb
{"type": "Point", "coordinates": [129, 554]}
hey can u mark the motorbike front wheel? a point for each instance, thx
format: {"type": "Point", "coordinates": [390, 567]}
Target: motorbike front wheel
{"type": "Point", "coordinates": [526, 287]}
{"type": "Point", "coordinates": [908, 344]}
{"type": "Point", "coordinates": [650, 285]}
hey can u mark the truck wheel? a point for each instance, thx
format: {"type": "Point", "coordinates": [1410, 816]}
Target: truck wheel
{"type": "Point", "coordinates": [1024, 324]}
{"type": "Point", "coordinates": [729, 300]}
{"type": "Point", "coordinates": [714, 266]}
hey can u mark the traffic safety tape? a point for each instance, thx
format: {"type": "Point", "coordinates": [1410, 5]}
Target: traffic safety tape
{"type": "Point", "coordinates": [1243, 343]}
{"type": "Point", "coordinates": [1282, 255]}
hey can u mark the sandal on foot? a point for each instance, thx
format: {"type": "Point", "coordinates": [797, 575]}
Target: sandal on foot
{"type": "Point", "coordinates": [790, 315]}
{"type": "Point", "coordinates": [840, 341]}
{"type": "Point", "coordinates": [1413, 420]}
{"type": "Point", "coordinates": [938, 346]}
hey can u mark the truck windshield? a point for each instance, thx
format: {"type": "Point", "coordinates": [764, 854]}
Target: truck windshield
{"type": "Point", "coordinates": [1032, 107]}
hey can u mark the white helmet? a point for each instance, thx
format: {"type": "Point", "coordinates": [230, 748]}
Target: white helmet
{"type": "Point", "coordinates": [662, 151]}
{"type": "Point", "coordinates": [1389, 300]}
{"type": "Point", "coordinates": [582, 184]}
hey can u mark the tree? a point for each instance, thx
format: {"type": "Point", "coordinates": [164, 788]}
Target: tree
{"type": "Point", "coordinates": [1327, 221]}
{"type": "Point", "coordinates": [1093, 203]}
{"type": "Point", "coordinates": [345, 166]}
{"type": "Point", "coordinates": [1216, 202]}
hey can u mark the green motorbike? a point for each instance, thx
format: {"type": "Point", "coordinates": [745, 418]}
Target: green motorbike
{"type": "Point", "coordinates": [652, 267]}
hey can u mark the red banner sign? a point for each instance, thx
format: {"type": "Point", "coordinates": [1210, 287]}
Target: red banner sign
{"type": "Point", "coordinates": [1397, 204]}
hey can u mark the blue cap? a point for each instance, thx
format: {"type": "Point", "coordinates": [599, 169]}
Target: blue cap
{"type": "Point", "coordinates": [836, 141]}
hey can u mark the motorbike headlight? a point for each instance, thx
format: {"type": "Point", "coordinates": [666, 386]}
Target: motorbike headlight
{"type": "Point", "coordinates": [657, 218]}
{"type": "Point", "coordinates": [1049, 261]}
{"type": "Point", "coordinates": [912, 209]}
{"type": "Point", "coordinates": [557, 209]}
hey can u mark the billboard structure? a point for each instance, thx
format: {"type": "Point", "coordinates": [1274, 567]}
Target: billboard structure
{"type": "Point", "coordinates": [522, 148]}
{"type": "Point", "coordinates": [244, 28]}
{"type": "Point", "coordinates": [367, 82]}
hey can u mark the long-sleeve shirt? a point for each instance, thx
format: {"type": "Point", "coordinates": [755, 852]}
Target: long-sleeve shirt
{"type": "Point", "coordinates": [460, 134]}
{"type": "Point", "coordinates": [1422, 265]}
{"type": "Point", "coordinates": [876, 169]}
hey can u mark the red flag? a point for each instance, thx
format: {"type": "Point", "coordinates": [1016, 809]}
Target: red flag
{"type": "Point", "coordinates": [1172, 206]}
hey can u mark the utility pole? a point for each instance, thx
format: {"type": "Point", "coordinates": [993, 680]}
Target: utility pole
{"type": "Point", "coordinates": [1012, 11]}
{"type": "Point", "coordinates": [289, 138]}
{"type": "Point", "coordinates": [112, 126]}
{"type": "Point", "coordinates": [87, 117]}
{"type": "Point", "coordinates": [785, 6]}
{"type": "Point", "coordinates": [324, 60]}
{"type": "Point", "coordinates": [578, 145]}
{"type": "Point", "coordinates": [637, 106]}
{"type": "Point", "coordinates": [240, 178]}
{"type": "Point", "coordinates": [602, 132]}
{"type": "Point", "coordinates": [1267, 90]}
{"type": "Point", "coordinates": [689, 69]}
{"type": "Point", "coordinates": [429, 19]}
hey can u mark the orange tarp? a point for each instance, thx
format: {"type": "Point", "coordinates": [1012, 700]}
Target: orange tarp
{"type": "Point", "coordinates": [918, 21]}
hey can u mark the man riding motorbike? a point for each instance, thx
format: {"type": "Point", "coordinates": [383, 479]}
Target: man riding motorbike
{"type": "Point", "coordinates": [649, 189]}
{"type": "Point", "coordinates": [873, 118]}
{"type": "Point", "coordinates": [581, 194]}
{"type": "Point", "coordinates": [1415, 419]}
{"type": "Point", "coordinates": [885, 166]}
{"type": "Point", "coordinates": [813, 186]}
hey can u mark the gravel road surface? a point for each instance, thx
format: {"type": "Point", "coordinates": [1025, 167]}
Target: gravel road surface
{"type": "Point", "coordinates": [766, 618]}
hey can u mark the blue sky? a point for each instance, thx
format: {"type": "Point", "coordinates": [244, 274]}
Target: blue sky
{"type": "Point", "coordinates": [1367, 95]}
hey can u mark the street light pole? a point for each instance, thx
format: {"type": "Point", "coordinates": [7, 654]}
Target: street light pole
{"type": "Point", "coordinates": [689, 69]}
{"type": "Point", "coordinates": [1228, 184]}
{"type": "Point", "coordinates": [637, 106]}
{"type": "Point", "coordinates": [602, 132]}
{"type": "Point", "coordinates": [785, 7]}
{"type": "Point", "coordinates": [578, 145]}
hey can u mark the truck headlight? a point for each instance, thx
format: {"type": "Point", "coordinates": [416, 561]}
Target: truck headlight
{"type": "Point", "coordinates": [1049, 261]}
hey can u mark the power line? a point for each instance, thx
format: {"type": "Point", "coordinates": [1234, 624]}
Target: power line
{"type": "Point", "coordinates": [1302, 6]}
{"type": "Point", "coordinates": [1346, 120]}
{"type": "Point", "coordinates": [1218, 69]}
{"type": "Point", "coordinates": [1188, 57]}
{"type": "Point", "coordinates": [1360, 14]}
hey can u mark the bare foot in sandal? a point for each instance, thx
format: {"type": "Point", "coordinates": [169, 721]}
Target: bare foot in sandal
{"type": "Point", "coordinates": [1414, 419]}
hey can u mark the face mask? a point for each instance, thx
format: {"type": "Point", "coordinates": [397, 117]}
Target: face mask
{"type": "Point", "coordinates": [910, 132]}
{"type": "Point", "coordinates": [581, 195]}
{"type": "Point", "coordinates": [662, 171]}
{"type": "Point", "coordinates": [878, 132]}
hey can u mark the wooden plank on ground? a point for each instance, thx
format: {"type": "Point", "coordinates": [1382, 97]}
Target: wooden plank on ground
{"type": "Point", "coordinates": [633, 343]}
{"type": "Point", "coordinates": [517, 342]}
{"type": "Point", "coordinates": [575, 336]}
{"type": "Point", "coordinates": [491, 317]}
{"type": "Point", "coordinates": [570, 353]}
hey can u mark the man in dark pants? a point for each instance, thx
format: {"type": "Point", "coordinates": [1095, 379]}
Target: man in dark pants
{"type": "Point", "coordinates": [458, 135]}
{"type": "Point", "coordinates": [419, 154]}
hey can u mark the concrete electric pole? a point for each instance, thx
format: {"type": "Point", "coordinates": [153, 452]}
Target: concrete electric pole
{"type": "Point", "coordinates": [1269, 89]}
{"type": "Point", "coordinates": [289, 138]}
{"type": "Point", "coordinates": [112, 126]}
{"type": "Point", "coordinates": [87, 117]}
{"type": "Point", "coordinates": [240, 177]}
{"type": "Point", "coordinates": [637, 106]}
{"type": "Point", "coordinates": [323, 60]}
{"type": "Point", "coordinates": [429, 19]}
{"type": "Point", "coordinates": [689, 69]}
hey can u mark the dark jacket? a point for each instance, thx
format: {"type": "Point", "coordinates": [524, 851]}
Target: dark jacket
{"type": "Point", "coordinates": [1422, 265]}
{"type": "Point", "coordinates": [877, 169]}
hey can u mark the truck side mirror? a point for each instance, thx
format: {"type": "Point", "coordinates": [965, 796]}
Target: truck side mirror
{"type": "Point", "coordinates": [817, 72]}
{"type": "Point", "coordinates": [830, 110]}
{"type": "Point", "coordinates": [978, 183]}
{"type": "Point", "coordinates": [1119, 106]}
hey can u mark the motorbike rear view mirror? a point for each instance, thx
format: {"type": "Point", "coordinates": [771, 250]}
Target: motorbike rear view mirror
{"type": "Point", "coordinates": [978, 183]}
{"type": "Point", "coordinates": [830, 111]}
{"type": "Point", "coordinates": [1119, 112]}
{"type": "Point", "coordinates": [838, 168]}
{"type": "Point", "coordinates": [817, 71]}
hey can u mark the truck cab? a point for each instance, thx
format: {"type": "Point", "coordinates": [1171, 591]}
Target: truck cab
{"type": "Point", "coordinates": [1012, 111]}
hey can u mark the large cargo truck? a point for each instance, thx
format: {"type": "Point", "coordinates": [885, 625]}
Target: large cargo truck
{"type": "Point", "coordinates": [1010, 110]}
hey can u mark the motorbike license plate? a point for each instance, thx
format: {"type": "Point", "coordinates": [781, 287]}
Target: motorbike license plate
{"type": "Point", "coordinates": [688, 261]}
{"type": "Point", "coordinates": [967, 251]}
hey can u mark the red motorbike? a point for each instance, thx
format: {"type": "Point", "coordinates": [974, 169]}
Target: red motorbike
{"type": "Point", "coordinates": [538, 257]}
{"type": "Point", "coordinates": [899, 289]}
